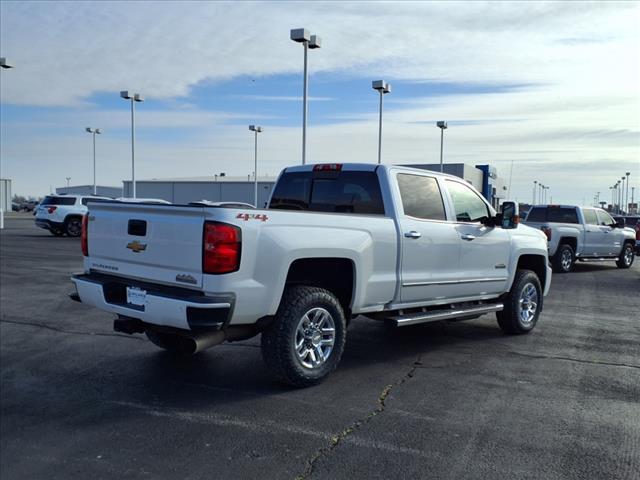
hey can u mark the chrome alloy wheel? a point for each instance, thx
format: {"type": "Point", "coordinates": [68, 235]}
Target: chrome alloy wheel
{"type": "Point", "coordinates": [315, 336]}
{"type": "Point", "coordinates": [628, 256]}
{"type": "Point", "coordinates": [566, 259]}
{"type": "Point", "coordinates": [528, 303]}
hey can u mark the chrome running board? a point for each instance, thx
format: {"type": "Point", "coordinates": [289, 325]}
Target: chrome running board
{"type": "Point", "coordinates": [450, 314]}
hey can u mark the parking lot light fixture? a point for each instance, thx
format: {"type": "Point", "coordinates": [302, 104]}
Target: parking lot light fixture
{"type": "Point", "coordinates": [68, 180]}
{"type": "Point", "coordinates": [4, 63]}
{"type": "Point", "coordinates": [442, 125]}
{"type": "Point", "coordinates": [626, 197]}
{"type": "Point", "coordinates": [256, 131]}
{"type": "Point", "coordinates": [535, 186]}
{"type": "Point", "coordinates": [383, 88]}
{"type": "Point", "coordinates": [308, 41]}
{"type": "Point", "coordinates": [132, 97]}
{"type": "Point", "coordinates": [94, 132]}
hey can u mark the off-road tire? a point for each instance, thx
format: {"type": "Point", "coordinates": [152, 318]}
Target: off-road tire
{"type": "Point", "coordinates": [564, 259]}
{"type": "Point", "coordinates": [625, 260]}
{"type": "Point", "coordinates": [73, 226]}
{"type": "Point", "coordinates": [279, 338]}
{"type": "Point", "coordinates": [511, 319]}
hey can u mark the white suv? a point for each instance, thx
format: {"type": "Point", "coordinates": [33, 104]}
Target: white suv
{"type": "Point", "coordinates": [62, 214]}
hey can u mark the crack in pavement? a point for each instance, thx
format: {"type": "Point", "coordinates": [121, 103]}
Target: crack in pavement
{"type": "Point", "coordinates": [570, 359]}
{"type": "Point", "coordinates": [337, 439]}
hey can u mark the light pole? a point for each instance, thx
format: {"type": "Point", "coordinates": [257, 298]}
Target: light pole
{"type": "Point", "coordinates": [626, 197]}
{"type": "Point", "coordinates": [382, 87]}
{"type": "Point", "coordinates": [535, 188]}
{"type": "Point", "coordinates": [301, 35]}
{"type": "Point", "coordinates": [133, 97]}
{"type": "Point", "coordinates": [618, 196]}
{"type": "Point", "coordinates": [4, 64]}
{"type": "Point", "coordinates": [622, 196]}
{"type": "Point", "coordinates": [442, 125]}
{"type": "Point", "coordinates": [256, 131]}
{"type": "Point", "coordinates": [68, 180]}
{"type": "Point", "coordinates": [94, 132]}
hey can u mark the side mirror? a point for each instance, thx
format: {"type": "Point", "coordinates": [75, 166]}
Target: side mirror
{"type": "Point", "coordinates": [510, 215]}
{"type": "Point", "coordinates": [620, 223]}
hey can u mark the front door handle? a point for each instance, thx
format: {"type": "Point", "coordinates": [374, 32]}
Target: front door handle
{"type": "Point", "coordinates": [467, 237]}
{"type": "Point", "coordinates": [413, 234]}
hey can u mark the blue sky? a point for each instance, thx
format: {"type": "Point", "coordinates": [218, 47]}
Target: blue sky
{"type": "Point", "coordinates": [549, 86]}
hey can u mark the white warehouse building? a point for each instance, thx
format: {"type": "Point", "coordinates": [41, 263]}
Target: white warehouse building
{"type": "Point", "coordinates": [191, 189]}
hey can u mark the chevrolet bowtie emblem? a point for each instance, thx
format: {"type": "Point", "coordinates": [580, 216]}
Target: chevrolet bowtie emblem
{"type": "Point", "coordinates": [136, 246]}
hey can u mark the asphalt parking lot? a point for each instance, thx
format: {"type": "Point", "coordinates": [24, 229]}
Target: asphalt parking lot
{"type": "Point", "coordinates": [445, 401]}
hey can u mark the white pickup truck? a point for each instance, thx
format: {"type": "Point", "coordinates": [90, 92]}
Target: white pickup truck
{"type": "Point", "coordinates": [582, 233]}
{"type": "Point", "coordinates": [392, 243]}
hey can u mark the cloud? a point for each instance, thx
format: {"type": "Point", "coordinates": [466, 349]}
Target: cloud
{"type": "Point", "coordinates": [65, 52]}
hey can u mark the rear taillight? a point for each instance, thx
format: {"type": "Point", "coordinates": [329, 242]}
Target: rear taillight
{"type": "Point", "coordinates": [220, 248]}
{"type": "Point", "coordinates": [547, 232]}
{"type": "Point", "coordinates": [638, 231]}
{"type": "Point", "coordinates": [84, 241]}
{"type": "Point", "coordinates": [51, 209]}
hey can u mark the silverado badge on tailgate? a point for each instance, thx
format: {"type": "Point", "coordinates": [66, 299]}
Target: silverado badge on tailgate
{"type": "Point", "coordinates": [136, 246]}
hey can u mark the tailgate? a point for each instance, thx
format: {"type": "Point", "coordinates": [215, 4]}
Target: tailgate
{"type": "Point", "coordinates": [158, 243]}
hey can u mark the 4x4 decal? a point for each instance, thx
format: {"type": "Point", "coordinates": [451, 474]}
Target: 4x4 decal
{"type": "Point", "coordinates": [253, 216]}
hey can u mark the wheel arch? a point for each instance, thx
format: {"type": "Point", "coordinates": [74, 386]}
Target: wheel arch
{"type": "Point", "coordinates": [335, 274]}
{"type": "Point", "coordinates": [535, 263]}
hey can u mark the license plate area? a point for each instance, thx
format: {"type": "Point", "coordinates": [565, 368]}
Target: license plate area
{"type": "Point", "coordinates": [136, 298]}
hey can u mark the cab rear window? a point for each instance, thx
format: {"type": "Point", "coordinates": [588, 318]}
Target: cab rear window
{"type": "Point", "coordinates": [553, 214]}
{"type": "Point", "coordinates": [336, 192]}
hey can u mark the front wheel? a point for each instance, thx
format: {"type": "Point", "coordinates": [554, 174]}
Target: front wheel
{"type": "Point", "coordinates": [625, 260]}
{"type": "Point", "coordinates": [523, 304]}
{"type": "Point", "coordinates": [304, 343]}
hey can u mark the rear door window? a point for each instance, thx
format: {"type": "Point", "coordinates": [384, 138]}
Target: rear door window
{"type": "Point", "coordinates": [590, 216]}
{"type": "Point", "coordinates": [51, 200]}
{"type": "Point", "coordinates": [421, 197]}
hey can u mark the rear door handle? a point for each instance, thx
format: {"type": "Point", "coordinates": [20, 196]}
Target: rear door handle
{"type": "Point", "coordinates": [412, 234]}
{"type": "Point", "coordinates": [467, 237]}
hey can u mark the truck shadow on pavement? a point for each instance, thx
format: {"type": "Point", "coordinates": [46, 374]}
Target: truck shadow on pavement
{"type": "Point", "coordinates": [235, 372]}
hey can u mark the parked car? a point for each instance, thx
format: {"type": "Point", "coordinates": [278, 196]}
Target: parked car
{"type": "Point", "coordinates": [63, 213]}
{"type": "Point", "coordinates": [584, 234]}
{"type": "Point", "coordinates": [632, 221]}
{"type": "Point", "coordinates": [396, 244]}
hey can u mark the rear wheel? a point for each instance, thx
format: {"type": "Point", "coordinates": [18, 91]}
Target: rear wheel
{"type": "Point", "coordinates": [523, 304]}
{"type": "Point", "coordinates": [625, 260]}
{"type": "Point", "coordinates": [307, 337]}
{"type": "Point", "coordinates": [73, 226]}
{"type": "Point", "coordinates": [563, 259]}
